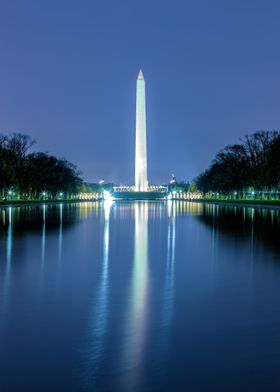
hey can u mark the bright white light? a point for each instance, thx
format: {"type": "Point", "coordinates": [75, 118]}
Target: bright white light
{"type": "Point", "coordinates": [44, 193]}
{"type": "Point", "coordinates": [60, 194]}
{"type": "Point", "coordinates": [169, 197]}
{"type": "Point", "coordinates": [10, 192]}
{"type": "Point", "coordinates": [107, 206]}
{"type": "Point", "coordinates": [107, 196]}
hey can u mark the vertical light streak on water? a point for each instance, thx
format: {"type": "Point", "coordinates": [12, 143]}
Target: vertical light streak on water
{"type": "Point", "coordinates": [252, 221]}
{"type": "Point", "coordinates": [168, 295]}
{"type": "Point", "coordinates": [60, 233]}
{"type": "Point", "coordinates": [99, 315]}
{"type": "Point", "coordinates": [213, 211]}
{"type": "Point", "coordinates": [137, 317]}
{"type": "Point", "coordinates": [60, 237]}
{"type": "Point", "coordinates": [252, 234]}
{"type": "Point", "coordinates": [272, 216]}
{"type": "Point", "coordinates": [9, 239]}
{"type": "Point", "coordinates": [43, 240]}
{"type": "Point", "coordinates": [9, 250]}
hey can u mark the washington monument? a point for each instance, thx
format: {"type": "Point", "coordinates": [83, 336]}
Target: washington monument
{"type": "Point", "coordinates": [141, 180]}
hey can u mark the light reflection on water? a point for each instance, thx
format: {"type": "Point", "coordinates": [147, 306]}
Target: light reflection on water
{"type": "Point", "coordinates": [43, 236]}
{"type": "Point", "coordinates": [132, 296]}
{"type": "Point", "coordinates": [99, 311]}
{"type": "Point", "coordinates": [136, 326]}
{"type": "Point", "coordinates": [170, 260]}
{"type": "Point", "coordinates": [60, 232]}
{"type": "Point", "coordinates": [9, 250]}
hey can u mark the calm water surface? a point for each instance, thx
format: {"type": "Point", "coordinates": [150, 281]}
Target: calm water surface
{"type": "Point", "coordinates": [139, 296]}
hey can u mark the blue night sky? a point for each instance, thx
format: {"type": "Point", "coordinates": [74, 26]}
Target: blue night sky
{"type": "Point", "coordinates": [68, 77]}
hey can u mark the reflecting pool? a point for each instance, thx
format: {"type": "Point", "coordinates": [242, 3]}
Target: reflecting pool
{"type": "Point", "coordinates": [139, 296]}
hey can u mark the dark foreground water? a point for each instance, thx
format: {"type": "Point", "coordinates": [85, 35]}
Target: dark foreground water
{"type": "Point", "coordinates": [140, 296]}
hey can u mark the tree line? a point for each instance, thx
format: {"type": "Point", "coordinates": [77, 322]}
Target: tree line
{"type": "Point", "coordinates": [34, 175]}
{"type": "Point", "coordinates": [251, 166]}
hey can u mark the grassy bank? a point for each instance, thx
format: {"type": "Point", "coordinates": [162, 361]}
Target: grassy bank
{"type": "Point", "coordinates": [256, 202]}
{"type": "Point", "coordinates": [7, 203]}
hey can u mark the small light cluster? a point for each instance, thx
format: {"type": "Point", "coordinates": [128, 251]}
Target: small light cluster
{"type": "Point", "coordinates": [151, 188]}
{"type": "Point", "coordinates": [184, 196]}
{"type": "Point", "coordinates": [90, 196]}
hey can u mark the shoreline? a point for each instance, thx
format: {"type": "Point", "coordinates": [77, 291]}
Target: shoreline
{"type": "Point", "coordinates": [269, 204]}
{"type": "Point", "coordinates": [26, 203]}
{"type": "Point", "coordinates": [273, 204]}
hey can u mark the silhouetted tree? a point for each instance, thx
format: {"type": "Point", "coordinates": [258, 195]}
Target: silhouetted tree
{"type": "Point", "coordinates": [254, 163]}
{"type": "Point", "coordinates": [34, 173]}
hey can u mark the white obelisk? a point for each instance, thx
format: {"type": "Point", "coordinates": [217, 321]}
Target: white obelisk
{"type": "Point", "coordinates": [141, 181]}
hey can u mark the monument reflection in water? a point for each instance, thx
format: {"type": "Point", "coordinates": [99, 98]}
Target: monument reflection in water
{"type": "Point", "coordinates": [128, 353]}
{"type": "Point", "coordinates": [136, 324]}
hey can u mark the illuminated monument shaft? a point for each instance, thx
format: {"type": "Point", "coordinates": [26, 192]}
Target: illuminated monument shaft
{"type": "Point", "coordinates": [141, 181]}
